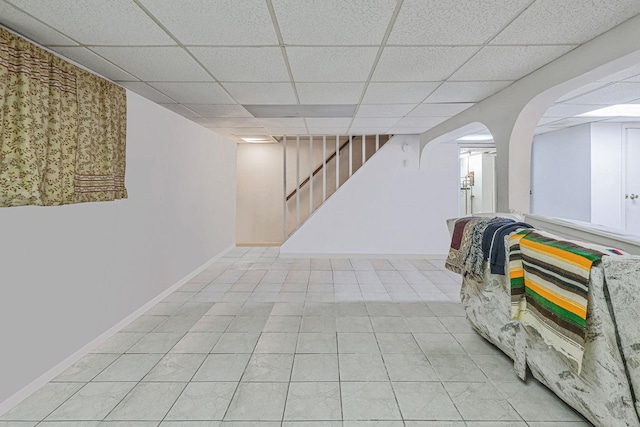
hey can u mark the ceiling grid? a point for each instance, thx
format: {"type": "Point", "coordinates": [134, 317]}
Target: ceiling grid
{"type": "Point", "coordinates": [403, 65]}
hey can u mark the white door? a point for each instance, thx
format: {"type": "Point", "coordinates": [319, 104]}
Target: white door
{"type": "Point", "coordinates": [632, 182]}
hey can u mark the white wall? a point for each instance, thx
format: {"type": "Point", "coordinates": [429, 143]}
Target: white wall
{"type": "Point", "coordinates": [69, 273]}
{"type": "Point", "coordinates": [561, 173]}
{"type": "Point", "coordinates": [260, 192]}
{"type": "Point", "coordinates": [512, 113]}
{"type": "Point", "coordinates": [488, 182]}
{"type": "Point", "coordinates": [385, 208]}
{"type": "Point", "coordinates": [260, 185]}
{"type": "Point", "coordinates": [606, 174]}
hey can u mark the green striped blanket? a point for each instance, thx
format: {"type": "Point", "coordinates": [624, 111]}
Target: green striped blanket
{"type": "Point", "coordinates": [549, 288]}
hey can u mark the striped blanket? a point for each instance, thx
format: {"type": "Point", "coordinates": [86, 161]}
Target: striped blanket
{"type": "Point", "coordinates": [549, 287]}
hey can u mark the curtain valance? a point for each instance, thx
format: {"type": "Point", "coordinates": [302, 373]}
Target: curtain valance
{"type": "Point", "coordinates": [62, 130]}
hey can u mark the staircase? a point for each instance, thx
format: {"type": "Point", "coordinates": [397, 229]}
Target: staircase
{"type": "Point", "coordinates": [316, 166]}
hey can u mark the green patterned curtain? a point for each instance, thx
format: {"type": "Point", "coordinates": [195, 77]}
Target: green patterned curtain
{"type": "Point", "coordinates": [62, 130]}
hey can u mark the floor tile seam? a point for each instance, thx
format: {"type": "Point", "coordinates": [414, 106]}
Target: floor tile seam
{"type": "Point", "coordinates": [92, 378]}
{"type": "Point", "coordinates": [492, 384]}
{"type": "Point", "coordinates": [235, 391]}
{"type": "Point", "coordinates": [177, 398]}
{"type": "Point", "coordinates": [339, 377]}
{"type": "Point", "coordinates": [286, 398]}
{"type": "Point", "coordinates": [158, 352]}
{"type": "Point", "coordinates": [393, 390]}
{"type": "Point", "coordinates": [51, 412]}
{"type": "Point", "coordinates": [121, 400]}
{"type": "Point", "coordinates": [452, 401]}
{"type": "Point", "coordinates": [137, 383]}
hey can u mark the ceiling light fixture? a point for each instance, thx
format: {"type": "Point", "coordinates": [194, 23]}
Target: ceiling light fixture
{"type": "Point", "coordinates": [476, 137]}
{"type": "Point", "coordinates": [619, 110]}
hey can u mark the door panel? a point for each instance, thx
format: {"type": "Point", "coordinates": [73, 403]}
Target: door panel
{"type": "Point", "coordinates": [632, 182]}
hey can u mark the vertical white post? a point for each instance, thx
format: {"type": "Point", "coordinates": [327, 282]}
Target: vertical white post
{"type": "Point", "coordinates": [284, 183]}
{"type": "Point", "coordinates": [324, 168]}
{"type": "Point", "coordinates": [337, 162]}
{"type": "Point", "coordinates": [310, 174]}
{"type": "Point", "coordinates": [297, 181]}
{"type": "Point", "coordinates": [377, 142]}
{"type": "Point", "coordinates": [350, 156]}
{"type": "Point", "coordinates": [364, 149]}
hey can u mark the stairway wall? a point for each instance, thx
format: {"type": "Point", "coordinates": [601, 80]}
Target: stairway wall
{"type": "Point", "coordinates": [385, 207]}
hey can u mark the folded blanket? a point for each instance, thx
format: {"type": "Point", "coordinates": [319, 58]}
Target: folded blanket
{"type": "Point", "coordinates": [460, 240]}
{"type": "Point", "coordinates": [474, 257]}
{"type": "Point", "coordinates": [497, 249]}
{"type": "Point", "coordinates": [549, 286]}
{"type": "Point", "coordinates": [487, 237]}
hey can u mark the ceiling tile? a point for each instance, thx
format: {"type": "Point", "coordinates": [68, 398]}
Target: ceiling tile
{"type": "Point", "coordinates": [366, 130]}
{"type": "Point", "coordinates": [262, 93]}
{"type": "Point", "coordinates": [566, 21]}
{"type": "Point", "coordinates": [333, 22]}
{"type": "Point", "coordinates": [396, 130]}
{"type": "Point", "coordinates": [543, 129]}
{"type": "Point", "coordinates": [374, 122]}
{"type": "Point", "coordinates": [287, 131]}
{"type": "Point", "coordinates": [94, 62]}
{"type": "Point", "coordinates": [240, 130]}
{"type": "Point", "coordinates": [243, 64]}
{"type": "Point", "coordinates": [465, 91]}
{"type": "Point", "coordinates": [219, 131]}
{"type": "Point", "coordinates": [147, 91]}
{"type": "Point", "coordinates": [398, 93]}
{"type": "Point", "coordinates": [385, 110]}
{"type": "Point", "coordinates": [573, 121]}
{"type": "Point", "coordinates": [570, 110]}
{"type": "Point", "coordinates": [627, 73]}
{"type": "Point", "coordinates": [508, 62]}
{"type": "Point", "coordinates": [621, 120]}
{"type": "Point", "coordinates": [282, 122]}
{"type": "Point", "coordinates": [180, 109]}
{"type": "Point", "coordinates": [419, 122]}
{"type": "Point", "coordinates": [328, 122]}
{"type": "Point", "coordinates": [580, 91]}
{"type": "Point", "coordinates": [301, 110]}
{"type": "Point", "coordinates": [420, 63]}
{"type": "Point", "coordinates": [617, 93]}
{"type": "Point", "coordinates": [474, 127]}
{"type": "Point", "coordinates": [209, 110]}
{"type": "Point", "coordinates": [233, 122]}
{"type": "Point", "coordinates": [98, 22]}
{"type": "Point", "coordinates": [31, 28]}
{"type": "Point", "coordinates": [216, 23]}
{"type": "Point", "coordinates": [437, 22]}
{"type": "Point", "coordinates": [328, 130]}
{"type": "Point", "coordinates": [331, 64]}
{"type": "Point", "coordinates": [155, 63]}
{"type": "Point", "coordinates": [545, 120]}
{"type": "Point", "coordinates": [440, 110]}
{"type": "Point", "coordinates": [194, 93]}
{"type": "Point", "coordinates": [329, 93]}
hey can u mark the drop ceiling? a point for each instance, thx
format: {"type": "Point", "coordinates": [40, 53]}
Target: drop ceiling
{"type": "Point", "coordinates": [405, 65]}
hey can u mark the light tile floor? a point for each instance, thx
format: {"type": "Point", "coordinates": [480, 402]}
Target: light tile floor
{"type": "Point", "coordinates": [259, 340]}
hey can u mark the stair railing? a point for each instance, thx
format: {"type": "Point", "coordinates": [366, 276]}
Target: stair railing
{"type": "Point", "coordinates": [322, 167]}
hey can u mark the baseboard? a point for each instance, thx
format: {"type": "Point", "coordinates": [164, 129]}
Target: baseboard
{"type": "Point", "coordinates": [361, 256]}
{"type": "Point", "coordinates": [60, 367]}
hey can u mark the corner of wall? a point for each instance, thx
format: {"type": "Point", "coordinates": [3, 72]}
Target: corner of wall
{"type": "Point", "coordinates": [385, 207]}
